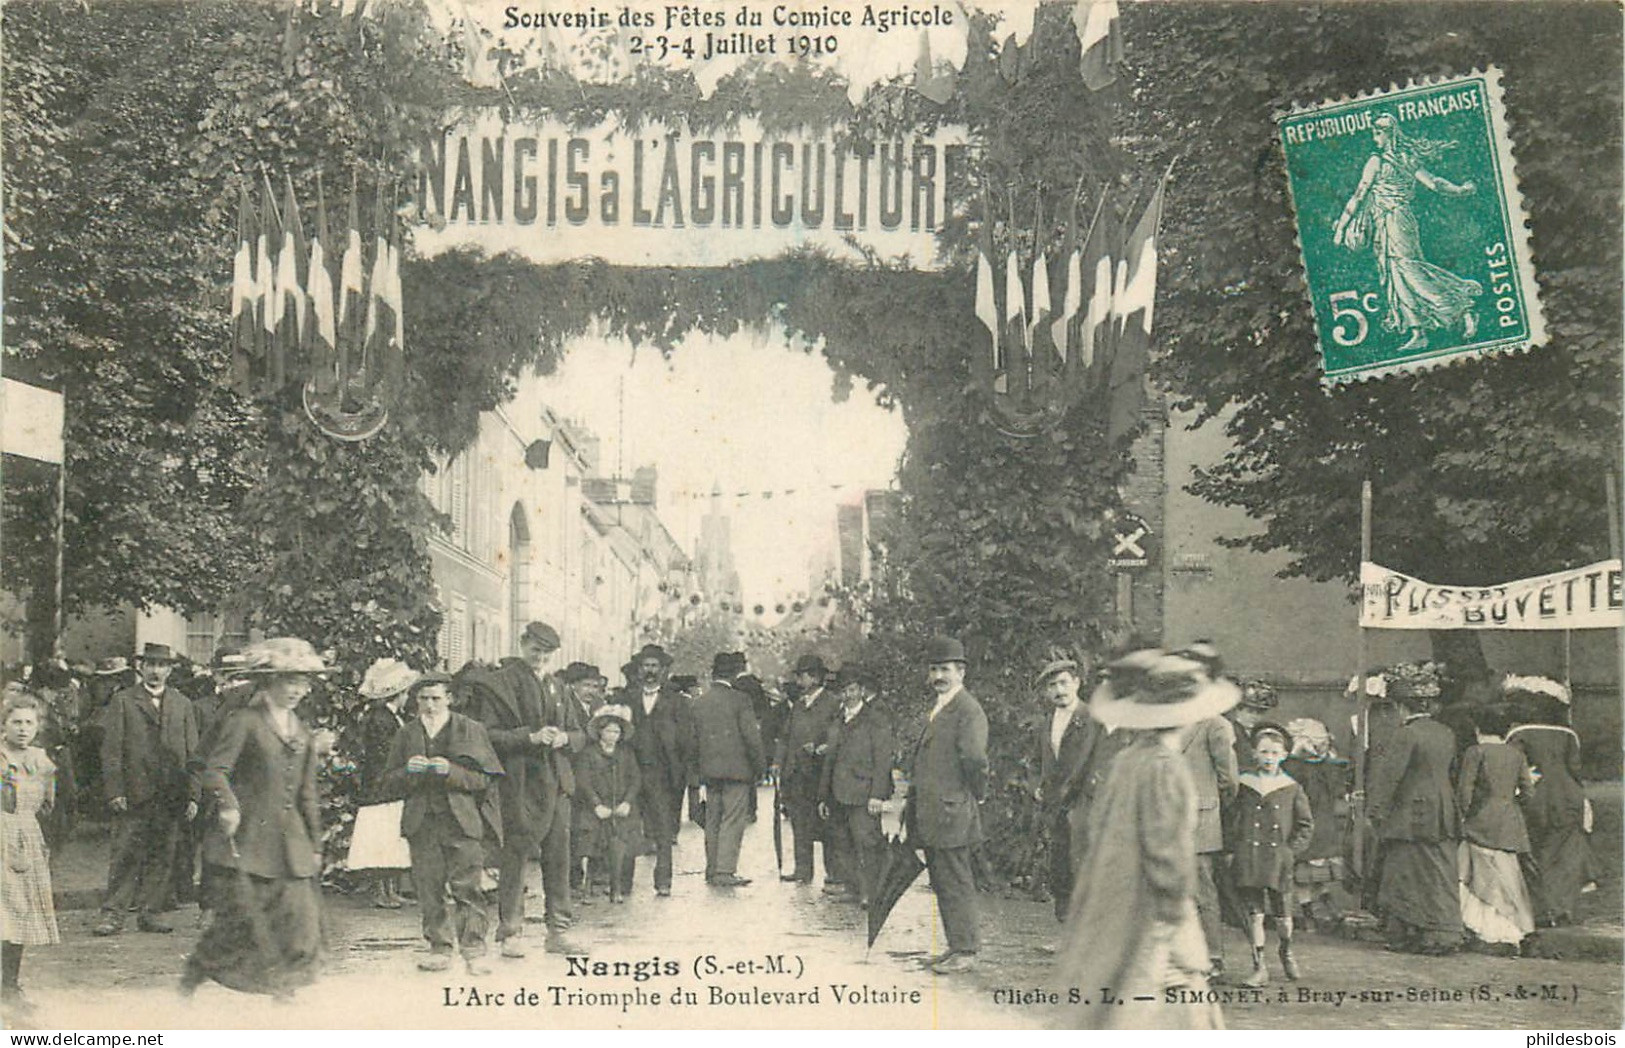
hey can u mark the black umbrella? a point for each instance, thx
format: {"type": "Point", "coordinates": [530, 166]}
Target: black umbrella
{"type": "Point", "coordinates": [900, 867]}
{"type": "Point", "coordinates": [778, 827]}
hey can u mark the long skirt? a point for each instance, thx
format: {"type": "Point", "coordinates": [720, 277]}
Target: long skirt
{"type": "Point", "coordinates": [1494, 899]}
{"type": "Point", "coordinates": [1163, 986]}
{"type": "Point", "coordinates": [265, 936]}
{"type": "Point", "coordinates": [1562, 856]}
{"type": "Point", "coordinates": [1420, 885]}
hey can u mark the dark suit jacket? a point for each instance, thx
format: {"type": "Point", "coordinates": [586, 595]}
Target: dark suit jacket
{"type": "Point", "coordinates": [950, 776]}
{"type": "Point", "coordinates": [1487, 791]}
{"type": "Point", "coordinates": [857, 768]}
{"type": "Point", "coordinates": [663, 740]}
{"type": "Point", "coordinates": [799, 771]}
{"type": "Point", "coordinates": [467, 787]}
{"type": "Point", "coordinates": [146, 749]}
{"type": "Point", "coordinates": [727, 741]}
{"type": "Point", "coordinates": [512, 703]}
{"type": "Point", "coordinates": [272, 782]}
{"type": "Point", "coordinates": [1409, 797]}
{"type": "Point", "coordinates": [1055, 770]}
{"type": "Point", "coordinates": [1211, 757]}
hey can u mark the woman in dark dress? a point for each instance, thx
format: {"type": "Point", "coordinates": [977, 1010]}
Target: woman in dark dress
{"type": "Point", "coordinates": [261, 774]}
{"type": "Point", "coordinates": [1555, 808]}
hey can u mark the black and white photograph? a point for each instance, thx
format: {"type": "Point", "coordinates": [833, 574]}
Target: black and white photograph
{"type": "Point", "coordinates": [740, 516]}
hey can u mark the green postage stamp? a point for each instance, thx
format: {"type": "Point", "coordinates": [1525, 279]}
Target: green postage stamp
{"type": "Point", "coordinates": [1412, 227]}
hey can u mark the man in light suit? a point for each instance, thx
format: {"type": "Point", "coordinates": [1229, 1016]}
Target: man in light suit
{"type": "Point", "coordinates": [949, 779]}
{"type": "Point", "coordinates": [1065, 739]}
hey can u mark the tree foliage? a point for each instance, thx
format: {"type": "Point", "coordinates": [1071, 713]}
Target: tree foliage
{"type": "Point", "coordinates": [1483, 471]}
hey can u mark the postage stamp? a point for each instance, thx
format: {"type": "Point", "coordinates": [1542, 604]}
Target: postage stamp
{"type": "Point", "coordinates": [1412, 227]}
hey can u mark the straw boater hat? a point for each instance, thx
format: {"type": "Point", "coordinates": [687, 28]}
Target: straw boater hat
{"type": "Point", "coordinates": [387, 677]}
{"type": "Point", "coordinates": [1172, 692]}
{"type": "Point", "coordinates": [612, 712]}
{"type": "Point", "coordinates": [281, 655]}
{"type": "Point", "coordinates": [1551, 689]}
{"type": "Point", "coordinates": [111, 665]}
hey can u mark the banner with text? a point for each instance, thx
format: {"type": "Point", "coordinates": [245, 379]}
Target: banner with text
{"type": "Point", "coordinates": [1582, 598]}
{"type": "Point", "coordinates": [662, 196]}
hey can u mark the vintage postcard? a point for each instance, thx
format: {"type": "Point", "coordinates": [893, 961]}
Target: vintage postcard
{"type": "Point", "coordinates": [738, 515]}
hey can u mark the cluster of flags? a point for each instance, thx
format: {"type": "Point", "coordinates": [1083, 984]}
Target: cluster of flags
{"type": "Point", "coordinates": [327, 313]}
{"type": "Point", "coordinates": [1093, 334]}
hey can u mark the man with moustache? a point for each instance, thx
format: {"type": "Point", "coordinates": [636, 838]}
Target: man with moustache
{"type": "Point", "coordinates": [1065, 739]}
{"type": "Point", "coordinates": [662, 740]}
{"type": "Point", "coordinates": [949, 781]}
{"type": "Point", "coordinates": [149, 739]}
{"type": "Point", "coordinates": [529, 721]}
{"type": "Point", "coordinates": [801, 764]}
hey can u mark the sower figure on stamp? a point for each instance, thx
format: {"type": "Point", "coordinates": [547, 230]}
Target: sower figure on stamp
{"type": "Point", "coordinates": [525, 713]}
{"type": "Point", "coordinates": [728, 749]}
{"type": "Point", "coordinates": [443, 764]}
{"type": "Point", "coordinates": [150, 739]}
{"type": "Point", "coordinates": [857, 780]}
{"type": "Point", "coordinates": [943, 817]}
{"type": "Point", "coordinates": [662, 739]}
{"type": "Point", "coordinates": [1066, 739]}
{"type": "Point", "coordinates": [801, 760]}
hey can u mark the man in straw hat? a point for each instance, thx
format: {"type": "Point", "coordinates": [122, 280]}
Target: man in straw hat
{"type": "Point", "coordinates": [1133, 925]}
{"type": "Point", "coordinates": [150, 737]}
{"type": "Point", "coordinates": [1065, 739]}
{"type": "Point", "coordinates": [949, 780]}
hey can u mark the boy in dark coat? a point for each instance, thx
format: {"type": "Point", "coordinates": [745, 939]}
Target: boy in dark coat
{"type": "Point", "coordinates": [443, 763]}
{"type": "Point", "coordinates": [856, 781]}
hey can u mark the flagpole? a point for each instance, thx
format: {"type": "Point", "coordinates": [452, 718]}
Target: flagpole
{"type": "Point", "coordinates": [1363, 740]}
{"type": "Point", "coordinates": [61, 540]}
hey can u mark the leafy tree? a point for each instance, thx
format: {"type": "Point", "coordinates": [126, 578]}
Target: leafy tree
{"type": "Point", "coordinates": [1482, 472]}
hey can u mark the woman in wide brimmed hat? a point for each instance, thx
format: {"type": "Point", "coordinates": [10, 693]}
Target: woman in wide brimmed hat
{"type": "Point", "coordinates": [1555, 808]}
{"type": "Point", "coordinates": [607, 784]}
{"type": "Point", "coordinates": [1133, 924]}
{"type": "Point", "coordinates": [261, 772]}
{"type": "Point", "coordinates": [376, 844]}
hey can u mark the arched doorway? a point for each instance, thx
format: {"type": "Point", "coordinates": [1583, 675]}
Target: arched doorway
{"type": "Point", "coordinates": [518, 575]}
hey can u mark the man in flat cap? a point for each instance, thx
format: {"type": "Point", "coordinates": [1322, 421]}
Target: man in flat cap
{"type": "Point", "coordinates": [530, 721]}
{"type": "Point", "coordinates": [728, 750]}
{"type": "Point", "coordinates": [813, 712]}
{"type": "Point", "coordinates": [943, 814]}
{"type": "Point", "coordinates": [663, 741]}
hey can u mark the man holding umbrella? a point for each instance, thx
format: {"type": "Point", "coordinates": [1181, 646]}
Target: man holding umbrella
{"type": "Point", "coordinates": [949, 780]}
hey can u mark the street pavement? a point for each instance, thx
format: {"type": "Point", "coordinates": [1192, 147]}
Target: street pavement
{"type": "Point", "coordinates": [767, 955]}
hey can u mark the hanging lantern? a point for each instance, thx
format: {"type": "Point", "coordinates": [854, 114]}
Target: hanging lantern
{"type": "Point", "coordinates": [758, 609]}
{"type": "Point", "coordinates": [796, 607]}
{"type": "Point", "coordinates": [694, 600]}
{"type": "Point", "coordinates": [778, 609]}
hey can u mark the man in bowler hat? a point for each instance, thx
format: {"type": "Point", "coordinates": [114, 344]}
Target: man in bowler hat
{"type": "Point", "coordinates": [150, 738]}
{"type": "Point", "coordinates": [813, 713]}
{"type": "Point", "coordinates": [728, 748]}
{"type": "Point", "coordinates": [663, 742]}
{"type": "Point", "coordinates": [948, 782]}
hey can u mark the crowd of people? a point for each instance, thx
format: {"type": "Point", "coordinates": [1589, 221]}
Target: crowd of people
{"type": "Point", "coordinates": [1172, 802]}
